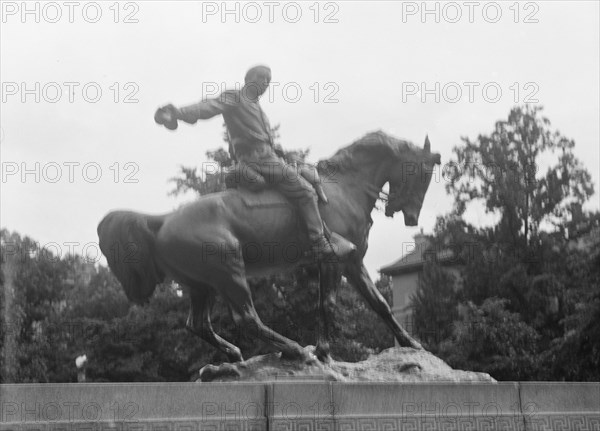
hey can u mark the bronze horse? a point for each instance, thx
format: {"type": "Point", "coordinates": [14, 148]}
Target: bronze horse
{"type": "Point", "coordinates": [212, 244]}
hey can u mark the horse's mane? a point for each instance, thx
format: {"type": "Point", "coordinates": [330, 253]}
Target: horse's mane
{"type": "Point", "coordinates": [376, 144]}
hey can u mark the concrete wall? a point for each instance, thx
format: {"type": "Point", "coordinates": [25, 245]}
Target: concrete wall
{"type": "Point", "coordinates": [300, 406]}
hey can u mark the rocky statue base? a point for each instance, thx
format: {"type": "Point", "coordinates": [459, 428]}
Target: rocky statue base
{"type": "Point", "coordinates": [397, 364]}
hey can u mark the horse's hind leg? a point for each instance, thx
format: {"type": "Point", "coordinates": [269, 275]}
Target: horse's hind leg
{"type": "Point", "coordinates": [235, 287]}
{"type": "Point", "coordinates": [198, 322]}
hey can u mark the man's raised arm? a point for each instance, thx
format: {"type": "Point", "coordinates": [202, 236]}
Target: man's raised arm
{"type": "Point", "coordinates": [169, 114]}
{"type": "Point", "coordinates": [202, 110]}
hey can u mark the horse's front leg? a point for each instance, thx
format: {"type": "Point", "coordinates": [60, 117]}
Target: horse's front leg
{"type": "Point", "coordinates": [329, 281]}
{"type": "Point", "coordinates": [359, 277]}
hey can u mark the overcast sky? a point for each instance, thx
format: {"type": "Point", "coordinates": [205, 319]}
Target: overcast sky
{"type": "Point", "coordinates": [363, 64]}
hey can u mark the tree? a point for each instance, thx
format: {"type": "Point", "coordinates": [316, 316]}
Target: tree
{"type": "Point", "coordinates": [501, 169]}
{"type": "Point", "coordinates": [435, 305]}
{"type": "Point", "coordinates": [575, 353]}
{"type": "Point", "coordinates": [148, 343]}
{"type": "Point", "coordinates": [530, 282]}
{"type": "Point", "coordinates": [491, 339]}
{"type": "Point", "coordinates": [34, 293]}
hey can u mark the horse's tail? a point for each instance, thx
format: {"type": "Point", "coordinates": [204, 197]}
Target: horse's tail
{"type": "Point", "coordinates": [128, 240]}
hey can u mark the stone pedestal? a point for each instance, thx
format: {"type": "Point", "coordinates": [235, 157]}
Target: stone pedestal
{"type": "Point", "coordinates": [300, 405]}
{"type": "Point", "coordinates": [397, 364]}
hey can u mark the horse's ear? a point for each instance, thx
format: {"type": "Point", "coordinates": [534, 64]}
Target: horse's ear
{"type": "Point", "coordinates": [436, 158]}
{"type": "Point", "coordinates": [427, 146]}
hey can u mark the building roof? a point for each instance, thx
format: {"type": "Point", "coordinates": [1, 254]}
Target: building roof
{"type": "Point", "coordinates": [413, 261]}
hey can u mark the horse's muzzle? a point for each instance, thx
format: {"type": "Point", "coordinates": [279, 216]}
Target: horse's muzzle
{"type": "Point", "coordinates": [410, 219]}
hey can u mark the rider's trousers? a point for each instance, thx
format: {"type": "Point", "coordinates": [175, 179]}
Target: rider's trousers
{"type": "Point", "coordinates": [262, 159]}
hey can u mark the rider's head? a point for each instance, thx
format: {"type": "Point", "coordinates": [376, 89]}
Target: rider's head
{"type": "Point", "coordinates": [257, 80]}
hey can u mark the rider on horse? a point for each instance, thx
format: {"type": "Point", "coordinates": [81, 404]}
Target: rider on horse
{"type": "Point", "coordinates": [252, 144]}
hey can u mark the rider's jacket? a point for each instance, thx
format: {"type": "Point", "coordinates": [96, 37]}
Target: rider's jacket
{"type": "Point", "coordinates": [246, 122]}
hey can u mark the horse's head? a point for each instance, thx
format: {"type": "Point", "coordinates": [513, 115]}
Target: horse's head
{"type": "Point", "coordinates": [408, 181]}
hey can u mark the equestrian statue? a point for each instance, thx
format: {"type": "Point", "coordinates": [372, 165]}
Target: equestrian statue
{"type": "Point", "coordinates": [277, 217]}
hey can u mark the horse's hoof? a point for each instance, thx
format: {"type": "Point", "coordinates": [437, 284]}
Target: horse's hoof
{"type": "Point", "coordinates": [299, 355]}
{"type": "Point", "coordinates": [406, 341]}
{"type": "Point", "coordinates": [416, 345]}
{"type": "Point", "coordinates": [322, 353]}
{"type": "Point", "coordinates": [324, 358]}
{"type": "Point", "coordinates": [210, 372]}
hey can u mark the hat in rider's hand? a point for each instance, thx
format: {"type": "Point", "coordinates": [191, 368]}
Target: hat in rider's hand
{"type": "Point", "coordinates": [166, 116]}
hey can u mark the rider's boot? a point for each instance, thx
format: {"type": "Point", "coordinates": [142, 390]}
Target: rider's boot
{"type": "Point", "coordinates": [322, 247]}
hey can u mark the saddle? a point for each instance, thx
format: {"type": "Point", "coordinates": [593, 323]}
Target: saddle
{"type": "Point", "coordinates": [253, 181]}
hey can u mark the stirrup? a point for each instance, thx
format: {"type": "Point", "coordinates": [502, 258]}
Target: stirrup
{"type": "Point", "coordinates": [341, 246]}
{"type": "Point", "coordinates": [334, 248]}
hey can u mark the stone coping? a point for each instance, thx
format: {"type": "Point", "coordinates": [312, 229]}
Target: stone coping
{"type": "Point", "coordinates": [300, 405]}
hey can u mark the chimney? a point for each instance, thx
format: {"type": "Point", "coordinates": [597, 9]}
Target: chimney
{"type": "Point", "coordinates": [419, 238]}
{"type": "Point", "coordinates": [420, 243]}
